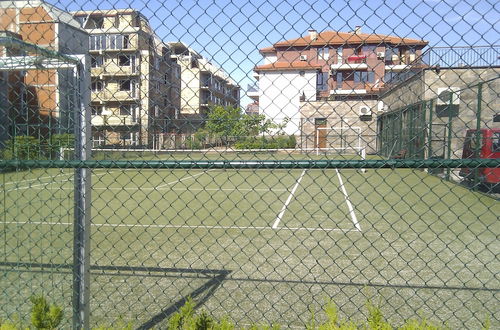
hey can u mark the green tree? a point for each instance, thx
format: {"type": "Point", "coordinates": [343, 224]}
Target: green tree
{"type": "Point", "coordinates": [228, 122]}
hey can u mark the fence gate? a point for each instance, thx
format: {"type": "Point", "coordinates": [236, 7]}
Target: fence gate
{"type": "Point", "coordinates": [143, 187]}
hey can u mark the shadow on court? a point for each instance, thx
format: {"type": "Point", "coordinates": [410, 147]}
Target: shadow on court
{"type": "Point", "coordinates": [200, 295]}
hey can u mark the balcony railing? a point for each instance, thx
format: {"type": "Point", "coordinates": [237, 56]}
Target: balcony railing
{"type": "Point", "coordinates": [113, 120]}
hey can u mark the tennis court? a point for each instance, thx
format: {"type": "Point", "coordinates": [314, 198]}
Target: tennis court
{"type": "Point", "coordinates": [240, 239]}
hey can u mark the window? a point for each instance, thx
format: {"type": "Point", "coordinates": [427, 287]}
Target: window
{"type": "Point", "coordinates": [323, 53]}
{"type": "Point", "coordinates": [389, 76]}
{"type": "Point", "coordinates": [96, 61]}
{"type": "Point", "coordinates": [368, 50]}
{"type": "Point", "coordinates": [97, 85]}
{"type": "Point", "coordinates": [96, 110]}
{"type": "Point", "coordinates": [97, 42]}
{"type": "Point", "coordinates": [124, 60]}
{"type": "Point", "coordinates": [391, 54]}
{"type": "Point", "coordinates": [95, 22]}
{"type": "Point", "coordinates": [125, 135]}
{"type": "Point", "coordinates": [98, 139]}
{"type": "Point", "coordinates": [194, 64]}
{"type": "Point", "coordinates": [322, 81]}
{"type": "Point", "coordinates": [125, 85]}
{"type": "Point", "coordinates": [495, 142]}
{"type": "Point", "coordinates": [364, 76]}
{"type": "Point", "coordinates": [125, 110]}
{"type": "Point", "coordinates": [339, 79]}
{"type": "Point", "coordinates": [118, 41]}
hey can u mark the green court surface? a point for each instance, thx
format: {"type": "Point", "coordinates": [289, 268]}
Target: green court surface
{"type": "Point", "coordinates": [264, 244]}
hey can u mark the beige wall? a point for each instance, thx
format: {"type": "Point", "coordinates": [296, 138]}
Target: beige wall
{"type": "Point", "coordinates": [338, 114]}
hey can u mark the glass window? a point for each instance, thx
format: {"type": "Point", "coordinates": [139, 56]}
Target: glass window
{"type": "Point", "coordinates": [339, 80]}
{"type": "Point", "coordinates": [97, 85]}
{"type": "Point", "coordinates": [125, 85]}
{"type": "Point", "coordinates": [323, 53]}
{"type": "Point", "coordinates": [124, 60]}
{"type": "Point", "coordinates": [495, 145]}
{"type": "Point", "coordinates": [97, 42]}
{"type": "Point", "coordinates": [96, 110]}
{"type": "Point", "coordinates": [322, 81]}
{"type": "Point", "coordinates": [125, 110]}
{"type": "Point", "coordinates": [368, 49]}
{"type": "Point", "coordinates": [96, 61]}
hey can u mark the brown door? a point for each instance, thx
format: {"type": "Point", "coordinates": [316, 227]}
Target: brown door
{"type": "Point", "coordinates": [320, 134]}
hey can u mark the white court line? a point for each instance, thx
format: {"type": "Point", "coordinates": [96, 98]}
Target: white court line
{"type": "Point", "coordinates": [29, 180]}
{"type": "Point", "coordinates": [349, 205]}
{"type": "Point", "coordinates": [47, 183]}
{"type": "Point", "coordinates": [310, 229]}
{"type": "Point", "coordinates": [180, 180]}
{"type": "Point", "coordinates": [283, 209]}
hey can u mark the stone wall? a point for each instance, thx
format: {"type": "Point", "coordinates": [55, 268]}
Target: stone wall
{"type": "Point", "coordinates": [338, 114]}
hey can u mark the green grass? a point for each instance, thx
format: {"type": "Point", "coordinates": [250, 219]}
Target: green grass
{"type": "Point", "coordinates": [159, 236]}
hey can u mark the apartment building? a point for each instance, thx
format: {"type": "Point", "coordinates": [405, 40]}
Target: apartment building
{"type": "Point", "coordinates": [203, 85]}
{"type": "Point", "coordinates": [325, 79]}
{"type": "Point", "coordinates": [135, 83]}
{"type": "Point", "coordinates": [43, 104]}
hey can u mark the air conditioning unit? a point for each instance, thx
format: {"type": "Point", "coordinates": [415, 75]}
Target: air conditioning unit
{"type": "Point", "coordinates": [380, 55]}
{"type": "Point", "coordinates": [394, 57]}
{"type": "Point", "coordinates": [303, 57]}
{"type": "Point", "coordinates": [365, 110]}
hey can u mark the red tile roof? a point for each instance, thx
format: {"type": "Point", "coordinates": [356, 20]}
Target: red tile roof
{"type": "Point", "coordinates": [340, 38]}
{"type": "Point", "coordinates": [297, 65]}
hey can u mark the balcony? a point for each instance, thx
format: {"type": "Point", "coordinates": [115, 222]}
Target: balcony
{"type": "Point", "coordinates": [114, 71]}
{"type": "Point", "coordinates": [113, 120]}
{"type": "Point", "coordinates": [118, 96]}
{"type": "Point", "coordinates": [353, 62]}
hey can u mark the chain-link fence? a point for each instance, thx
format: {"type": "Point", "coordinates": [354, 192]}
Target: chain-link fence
{"type": "Point", "coordinates": [361, 165]}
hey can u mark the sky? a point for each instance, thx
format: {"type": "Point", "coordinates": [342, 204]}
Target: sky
{"type": "Point", "coordinates": [230, 32]}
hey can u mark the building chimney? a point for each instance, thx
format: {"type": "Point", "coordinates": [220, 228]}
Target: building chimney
{"type": "Point", "coordinates": [313, 34]}
{"type": "Point", "coordinates": [357, 30]}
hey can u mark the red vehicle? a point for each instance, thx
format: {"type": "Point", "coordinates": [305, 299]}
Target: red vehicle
{"type": "Point", "coordinates": [489, 148]}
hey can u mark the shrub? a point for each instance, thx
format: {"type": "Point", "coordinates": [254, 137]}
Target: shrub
{"type": "Point", "coordinates": [43, 315]}
{"type": "Point", "coordinates": [22, 147]}
{"type": "Point", "coordinates": [262, 142]}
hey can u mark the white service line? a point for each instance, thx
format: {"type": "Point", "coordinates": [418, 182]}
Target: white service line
{"type": "Point", "coordinates": [348, 202]}
{"type": "Point", "coordinates": [180, 180]}
{"type": "Point", "coordinates": [283, 209]}
{"type": "Point", "coordinates": [310, 229]}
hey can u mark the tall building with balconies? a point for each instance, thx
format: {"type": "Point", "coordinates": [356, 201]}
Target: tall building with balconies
{"type": "Point", "coordinates": [203, 85]}
{"type": "Point", "coordinates": [135, 84]}
{"type": "Point", "coordinates": [330, 66]}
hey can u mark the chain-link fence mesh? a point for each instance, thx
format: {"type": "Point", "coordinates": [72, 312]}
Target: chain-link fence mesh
{"type": "Point", "coordinates": [361, 164]}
